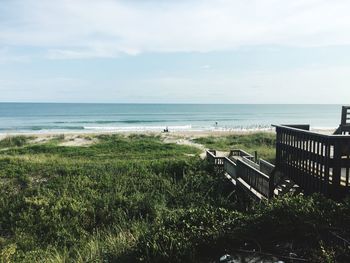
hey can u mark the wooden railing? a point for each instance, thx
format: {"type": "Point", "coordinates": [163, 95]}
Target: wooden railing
{"type": "Point", "coordinates": [255, 178]}
{"type": "Point", "coordinates": [250, 162]}
{"type": "Point", "coordinates": [216, 161]}
{"type": "Point", "coordinates": [230, 167]}
{"type": "Point", "coordinates": [211, 156]}
{"type": "Point", "coordinates": [345, 120]}
{"type": "Point", "coordinates": [316, 162]}
{"type": "Point", "coordinates": [241, 153]}
{"type": "Point", "coordinates": [244, 169]}
{"type": "Point", "coordinates": [266, 167]}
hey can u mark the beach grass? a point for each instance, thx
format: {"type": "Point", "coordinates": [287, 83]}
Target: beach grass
{"type": "Point", "coordinates": [15, 141]}
{"type": "Point", "coordinates": [262, 142]}
{"type": "Point", "coordinates": [137, 199]}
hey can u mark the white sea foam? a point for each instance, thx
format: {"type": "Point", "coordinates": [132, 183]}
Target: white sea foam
{"type": "Point", "coordinates": [138, 128]}
{"type": "Point", "coordinates": [176, 128]}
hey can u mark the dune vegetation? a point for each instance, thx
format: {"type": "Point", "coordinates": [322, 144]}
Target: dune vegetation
{"type": "Point", "coordinates": [137, 199]}
{"type": "Point", "coordinates": [262, 142]}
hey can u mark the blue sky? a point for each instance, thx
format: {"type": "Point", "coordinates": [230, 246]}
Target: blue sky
{"type": "Point", "coordinates": [251, 51]}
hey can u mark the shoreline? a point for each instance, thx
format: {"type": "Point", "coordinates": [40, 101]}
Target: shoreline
{"type": "Point", "coordinates": [174, 133]}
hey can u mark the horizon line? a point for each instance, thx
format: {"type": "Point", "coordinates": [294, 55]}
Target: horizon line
{"type": "Point", "coordinates": [165, 103]}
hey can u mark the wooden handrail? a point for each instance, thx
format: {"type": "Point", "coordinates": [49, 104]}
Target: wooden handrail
{"type": "Point", "coordinates": [244, 169]}
{"type": "Point", "coordinates": [316, 162]}
{"type": "Point", "coordinates": [256, 179]}
{"type": "Point", "coordinates": [318, 135]}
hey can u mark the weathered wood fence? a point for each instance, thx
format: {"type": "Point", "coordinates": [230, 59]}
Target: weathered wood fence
{"type": "Point", "coordinates": [316, 162]}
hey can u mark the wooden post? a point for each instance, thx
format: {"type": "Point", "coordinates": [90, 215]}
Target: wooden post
{"type": "Point", "coordinates": [256, 156]}
{"type": "Point", "coordinates": [344, 115]}
{"type": "Point", "coordinates": [272, 184]}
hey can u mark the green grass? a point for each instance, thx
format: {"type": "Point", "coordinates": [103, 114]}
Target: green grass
{"type": "Point", "coordinates": [263, 143]}
{"type": "Point", "coordinates": [137, 199]}
{"type": "Point", "coordinates": [60, 201]}
{"type": "Point", "coordinates": [14, 141]}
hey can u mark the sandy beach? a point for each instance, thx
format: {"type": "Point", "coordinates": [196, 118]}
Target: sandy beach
{"type": "Point", "coordinates": [181, 133]}
{"type": "Point", "coordinates": [84, 138]}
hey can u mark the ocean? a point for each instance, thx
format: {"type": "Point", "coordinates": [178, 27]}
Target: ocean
{"type": "Point", "coordinates": [62, 117]}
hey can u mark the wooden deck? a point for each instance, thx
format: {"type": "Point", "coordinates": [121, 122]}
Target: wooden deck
{"type": "Point", "coordinates": [305, 160]}
{"type": "Point", "coordinates": [317, 162]}
{"type": "Point", "coordinates": [242, 170]}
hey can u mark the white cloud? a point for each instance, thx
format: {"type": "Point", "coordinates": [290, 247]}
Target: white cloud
{"type": "Point", "coordinates": [106, 28]}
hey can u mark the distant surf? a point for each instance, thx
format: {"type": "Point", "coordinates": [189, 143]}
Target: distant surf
{"type": "Point", "coordinates": [58, 117]}
{"type": "Point", "coordinates": [140, 128]}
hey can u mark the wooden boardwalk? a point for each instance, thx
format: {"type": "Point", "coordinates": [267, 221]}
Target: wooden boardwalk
{"type": "Point", "coordinates": [253, 176]}
{"type": "Point", "coordinates": [305, 160]}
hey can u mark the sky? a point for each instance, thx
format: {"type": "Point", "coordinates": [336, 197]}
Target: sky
{"type": "Point", "coordinates": [184, 51]}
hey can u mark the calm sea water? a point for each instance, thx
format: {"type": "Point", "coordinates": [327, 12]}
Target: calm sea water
{"type": "Point", "coordinates": [44, 117]}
